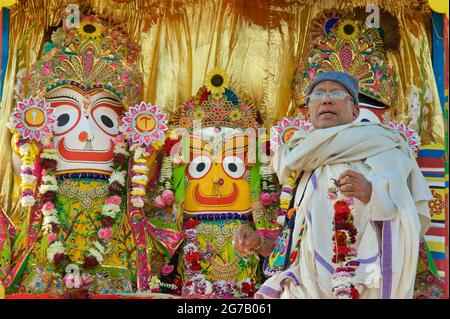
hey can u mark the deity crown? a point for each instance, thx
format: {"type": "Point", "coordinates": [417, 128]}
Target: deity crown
{"type": "Point", "coordinates": [340, 41]}
{"type": "Point", "coordinates": [216, 105]}
{"type": "Point", "coordinates": [95, 54]}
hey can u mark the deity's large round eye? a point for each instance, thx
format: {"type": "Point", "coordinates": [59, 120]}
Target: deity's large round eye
{"type": "Point", "coordinates": [63, 119]}
{"type": "Point", "coordinates": [106, 119]}
{"type": "Point", "coordinates": [199, 167]}
{"type": "Point", "coordinates": [234, 166]}
{"type": "Point", "coordinates": [367, 116]}
{"type": "Point", "coordinates": [67, 116]}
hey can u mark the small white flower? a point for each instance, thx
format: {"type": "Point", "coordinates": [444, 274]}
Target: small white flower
{"type": "Point", "coordinates": [51, 212]}
{"type": "Point", "coordinates": [27, 178]}
{"type": "Point", "coordinates": [117, 176]}
{"type": "Point", "coordinates": [140, 167]}
{"type": "Point", "coordinates": [190, 248]}
{"type": "Point", "coordinates": [139, 178]}
{"type": "Point", "coordinates": [284, 195]}
{"type": "Point", "coordinates": [121, 150]}
{"type": "Point", "coordinates": [154, 282]}
{"type": "Point", "coordinates": [27, 201]}
{"type": "Point", "coordinates": [99, 247]}
{"type": "Point", "coordinates": [110, 210]}
{"type": "Point", "coordinates": [137, 202]}
{"type": "Point", "coordinates": [139, 152]}
{"type": "Point", "coordinates": [24, 149]}
{"type": "Point", "coordinates": [46, 229]}
{"type": "Point", "coordinates": [96, 254]}
{"type": "Point", "coordinates": [48, 179]}
{"type": "Point", "coordinates": [48, 188]}
{"type": "Point", "coordinates": [208, 289]}
{"type": "Point", "coordinates": [49, 155]}
{"type": "Point", "coordinates": [50, 219]}
{"type": "Point", "coordinates": [56, 247]}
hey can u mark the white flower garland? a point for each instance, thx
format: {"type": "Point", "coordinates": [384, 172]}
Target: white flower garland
{"type": "Point", "coordinates": [139, 178]}
{"type": "Point", "coordinates": [110, 208]}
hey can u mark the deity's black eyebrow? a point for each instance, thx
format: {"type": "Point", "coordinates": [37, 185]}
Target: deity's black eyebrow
{"type": "Point", "coordinates": [64, 96]}
{"type": "Point", "coordinates": [107, 98]}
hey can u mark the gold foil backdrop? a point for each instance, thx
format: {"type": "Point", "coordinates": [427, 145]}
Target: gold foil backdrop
{"type": "Point", "coordinates": [258, 43]}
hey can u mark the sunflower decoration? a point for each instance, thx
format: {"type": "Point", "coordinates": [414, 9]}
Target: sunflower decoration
{"type": "Point", "coordinates": [90, 29]}
{"type": "Point", "coordinates": [216, 81]}
{"type": "Point", "coordinates": [348, 29]}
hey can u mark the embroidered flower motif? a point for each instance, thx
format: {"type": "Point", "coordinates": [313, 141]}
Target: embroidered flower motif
{"type": "Point", "coordinates": [235, 115]}
{"type": "Point", "coordinates": [217, 113]}
{"type": "Point", "coordinates": [198, 115]}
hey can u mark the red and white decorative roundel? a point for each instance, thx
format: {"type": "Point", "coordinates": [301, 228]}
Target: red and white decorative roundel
{"type": "Point", "coordinates": [283, 131]}
{"type": "Point", "coordinates": [33, 118]}
{"type": "Point", "coordinates": [145, 124]}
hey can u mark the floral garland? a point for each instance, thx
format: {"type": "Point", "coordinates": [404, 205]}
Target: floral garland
{"type": "Point", "coordinates": [197, 284]}
{"type": "Point", "coordinates": [168, 281]}
{"type": "Point", "coordinates": [56, 251]}
{"type": "Point", "coordinates": [165, 181]}
{"type": "Point", "coordinates": [139, 175]}
{"type": "Point", "coordinates": [166, 195]}
{"type": "Point", "coordinates": [48, 189]}
{"type": "Point", "coordinates": [26, 172]}
{"type": "Point", "coordinates": [286, 193]}
{"type": "Point", "coordinates": [344, 238]}
{"type": "Point", "coordinates": [268, 195]}
{"type": "Point", "coordinates": [32, 122]}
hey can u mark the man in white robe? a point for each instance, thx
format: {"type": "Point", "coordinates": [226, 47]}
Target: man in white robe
{"type": "Point", "coordinates": [372, 164]}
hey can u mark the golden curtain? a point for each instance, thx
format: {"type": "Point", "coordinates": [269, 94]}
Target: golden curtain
{"type": "Point", "coordinates": [258, 43]}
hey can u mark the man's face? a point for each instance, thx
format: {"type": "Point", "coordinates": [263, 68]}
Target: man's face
{"type": "Point", "coordinates": [327, 111]}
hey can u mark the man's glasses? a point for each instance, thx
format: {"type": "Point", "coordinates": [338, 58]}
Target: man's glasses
{"type": "Point", "coordinates": [337, 96]}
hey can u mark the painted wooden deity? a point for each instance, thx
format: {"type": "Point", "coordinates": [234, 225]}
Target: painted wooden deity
{"type": "Point", "coordinates": [85, 166]}
{"type": "Point", "coordinates": [219, 184]}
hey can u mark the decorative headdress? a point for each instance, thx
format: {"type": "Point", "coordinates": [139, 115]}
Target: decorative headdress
{"type": "Point", "coordinates": [216, 105]}
{"type": "Point", "coordinates": [96, 54]}
{"type": "Point", "coordinates": [340, 41]}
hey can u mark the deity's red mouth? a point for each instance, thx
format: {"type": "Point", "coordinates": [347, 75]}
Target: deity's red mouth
{"type": "Point", "coordinates": [85, 156]}
{"type": "Point", "coordinates": [216, 200]}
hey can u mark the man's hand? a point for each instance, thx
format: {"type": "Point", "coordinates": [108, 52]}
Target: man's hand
{"type": "Point", "coordinates": [356, 185]}
{"type": "Point", "coordinates": [246, 241]}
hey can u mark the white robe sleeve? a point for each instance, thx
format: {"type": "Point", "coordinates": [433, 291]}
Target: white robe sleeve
{"type": "Point", "coordinates": [380, 207]}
